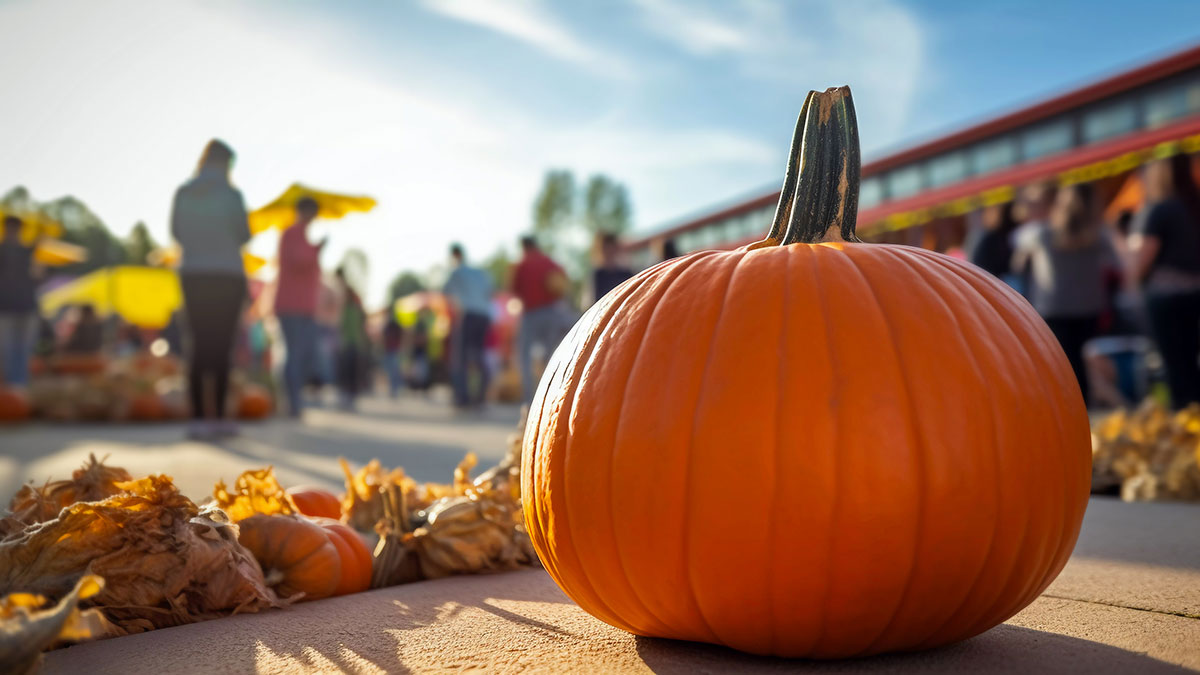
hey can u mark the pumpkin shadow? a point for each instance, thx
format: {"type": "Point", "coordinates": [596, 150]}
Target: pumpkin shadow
{"type": "Point", "coordinates": [350, 634]}
{"type": "Point", "coordinates": [1004, 649]}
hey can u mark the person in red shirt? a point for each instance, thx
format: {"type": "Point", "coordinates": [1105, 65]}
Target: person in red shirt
{"type": "Point", "coordinates": [296, 301]}
{"type": "Point", "coordinates": [540, 284]}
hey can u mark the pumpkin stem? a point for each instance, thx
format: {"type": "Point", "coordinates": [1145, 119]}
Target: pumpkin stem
{"type": "Point", "coordinates": [819, 199]}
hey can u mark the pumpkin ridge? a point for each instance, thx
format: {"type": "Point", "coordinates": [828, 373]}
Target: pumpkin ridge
{"type": "Point", "coordinates": [839, 474]}
{"type": "Point", "coordinates": [911, 263]}
{"type": "Point", "coordinates": [668, 277]}
{"type": "Point", "coordinates": [581, 365]}
{"type": "Point", "coordinates": [773, 519]}
{"type": "Point", "coordinates": [1015, 602]}
{"type": "Point", "coordinates": [687, 474]}
{"type": "Point", "coordinates": [561, 414]}
{"type": "Point", "coordinates": [1031, 370]}
{"type": "Point", "coordinates": [1061, 549]}
{"type": "Point", "coordinates": [916, 437]}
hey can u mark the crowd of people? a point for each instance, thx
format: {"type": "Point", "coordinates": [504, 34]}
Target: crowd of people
{"type": "Point", "coordinates": [1112, 293]}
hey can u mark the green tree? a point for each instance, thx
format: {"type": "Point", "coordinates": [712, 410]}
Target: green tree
{"type": "Point", "coordinates": [405, 283]}
{"type": "Point", "coordinates": [139, 244]}
{"type": "Point", "coordinates": [499, 266]}
{"type": "Point", "coordinates": [554, 208]}
{"type": "Point", "coordinates": [606, 206]}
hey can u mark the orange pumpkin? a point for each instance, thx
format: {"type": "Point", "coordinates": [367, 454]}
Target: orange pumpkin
{"type": "Point", "coordinates": [147, 407]}
{"type": "Point", "coordinates": [355, 556]}
{"type": "Point", "coordinates": [14, 405]}
{"type": "Point", "coordinates": [809, 446]}
{"type": "Point", "coordinates": [295, 553]}
{"type": "Point", "coordinates": [313, 501]}
{"type": "Point", "coordinates": [254, 402]}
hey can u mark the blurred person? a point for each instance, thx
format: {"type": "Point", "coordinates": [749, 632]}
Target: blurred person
{"type": "Point", "coordinates": [420, 370]}
{"type": "Point", "coordinates": [669, 250]}
{"type": "Point", "coordinates": [1032, 211]}
{"type": "Point", "coordinates": [208, 219]}
{"type": "Point", "coordinates": [296, 293]}
{"type": "Point", "coordinates": [539, 283]}
{"type": "Point", "coordinates": [393, 340]}
{"type": "Point", "coordinates": [609, 273]}
{"type": "Point", "coordinates": [992, 250]}
{"type": "Point", "coordinates": [87, 334]}
{"type": "Point", "coordinates": [324, 370]}
{"type": "Point", "coordinates": [18, 303]}
{"type": "Point", "coordinates": [352, 342]}
{"type": "Point", "coordinates": [1067, 261]}
{"type": "Point", "coordinates": [1164, 260]}
{"type": "Point", "coordinates": [469, 290]}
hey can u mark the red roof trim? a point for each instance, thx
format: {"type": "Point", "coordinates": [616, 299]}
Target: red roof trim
{"type": "Point", "coordinates": [1027, 173]}
{"type": "Point", "coordinates": [1109, 86]}
{"type": "Point", "coordinates": [1115, 84]}
{"type": "Point", "coordinates": [1018, 175]}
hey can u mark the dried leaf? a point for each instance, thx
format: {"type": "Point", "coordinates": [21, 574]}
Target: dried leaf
{"type": "Point", "coordinates": [1150, 452]}
{"type": "Point", "coordinates": [166, 561]}
{"type": "Point", "coordinates": [28, 626]}
{"type": "Point", "coordinates": [92, 482]}
{"type": "Point", "coordinates": [255, 491]}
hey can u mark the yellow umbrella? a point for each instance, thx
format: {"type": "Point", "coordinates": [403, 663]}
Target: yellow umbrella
{"type": "Point", "coordinates": [143, 296]}
{"type": "Point", "coordinates": [35, 225]}
{"type": "Point", "coordinates": [54, 253]}
{"type": "Point", "coordinates": [282, 212]}
{"type": "Point", "coordinates": [169, 256]}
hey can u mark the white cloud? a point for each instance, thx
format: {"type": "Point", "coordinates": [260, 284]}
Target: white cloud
{"type": "Point", "coordinates": [693, 28]}
{"type": "Point", "coordinates": [529, 22]}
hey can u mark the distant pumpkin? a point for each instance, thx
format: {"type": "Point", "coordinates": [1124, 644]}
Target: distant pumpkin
{"type": "Point", "coordinates": [147, 407]}
{"type": "Point", "coordinates": [254, 402]}
{"type": "Point", "coordinates": [809, 446]}
{"type": "Point", "coordinates": [14, 405]}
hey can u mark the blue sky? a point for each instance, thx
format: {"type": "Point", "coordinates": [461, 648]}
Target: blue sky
{"type": "Point", "coordinates": [449, 112]}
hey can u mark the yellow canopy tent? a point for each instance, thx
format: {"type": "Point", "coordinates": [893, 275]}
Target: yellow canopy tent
{"type": "Point", "coordinates": [169, 256]}
{"type": "Point", "coordinates": [54, 253]}
{"type": "Point", "coordinates": [34, 225]}
{"type": "Point", "coordinates": [143, 296]}
{"type": "Point", "coordinates": [282, 212]}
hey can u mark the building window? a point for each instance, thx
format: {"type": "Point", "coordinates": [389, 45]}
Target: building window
{"type": "Point", "coordinates": [993, 155]}
{"type": "Point", "coordinates": [948, 168]}
{"type": "Point", "coordinates": [870, 192]}
{"type": "Point", "coordinates": [904, 182]}
{"type": "Point", "coordinates": [1046, 139]}
{"type": "Point", "coordinates": [1106, 121]}
{"type": "Point", "coordinates": [1168, 105]}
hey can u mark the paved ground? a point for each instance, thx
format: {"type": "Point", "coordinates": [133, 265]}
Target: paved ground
{"type": "Point", "coordinates": [421, 434]}
{"type": "Point", "coordinates": [1128, 602]}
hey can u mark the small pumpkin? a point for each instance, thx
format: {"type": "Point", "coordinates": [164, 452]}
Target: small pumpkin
{"type": "Point", "coordinates": [809, 446]}
{"type": "Point", "coordinates": [296, 555]}
{"type": "Point", "coordinates": [314, 501]}
{"type": "Point", "coordinates": [355, 556]}
{"type": "Point", "coordinates": [254, 402]}
{"type": "Point", "coordinates": [147, 407]}
{"type": "Point", "coordinates": [14, 405]}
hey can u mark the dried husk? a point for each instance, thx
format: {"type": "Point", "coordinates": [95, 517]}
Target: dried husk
{"type": "Point", "coordinates": [166, 561]}
{"type": "Point", "coordinates": [28, 626]}
{"type": "Point", "coordinates": [465, 528]}
{"type": "Point", "coordinates": [1151, 453]}
{"type": "Point", "coordinates": [93, 482]}
{"type": "Point", "coordinates": [254, 492]}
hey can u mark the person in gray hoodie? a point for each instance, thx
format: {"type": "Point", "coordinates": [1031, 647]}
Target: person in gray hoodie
{"type": "Point", "coordinates": [209, 221]}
